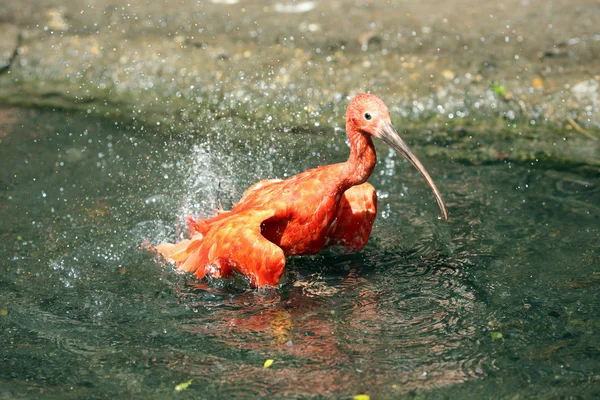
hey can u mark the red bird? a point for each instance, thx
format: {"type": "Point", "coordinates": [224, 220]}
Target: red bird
{"type": "Point", "coordinates": [326, 206]}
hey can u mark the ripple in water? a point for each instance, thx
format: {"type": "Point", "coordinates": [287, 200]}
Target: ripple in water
{"type": "Point", "coordinates": [409, 321]}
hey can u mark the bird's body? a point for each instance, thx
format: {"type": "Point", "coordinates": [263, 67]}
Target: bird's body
{"type": "Point", "coordinates": [321, 207]}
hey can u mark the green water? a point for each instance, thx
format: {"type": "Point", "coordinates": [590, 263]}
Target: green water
{"type": "Point", "coordinates": [86, 313]}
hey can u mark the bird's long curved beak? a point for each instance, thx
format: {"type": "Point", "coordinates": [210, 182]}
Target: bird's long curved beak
{"type": "Point", "coordinates": [389, 135]}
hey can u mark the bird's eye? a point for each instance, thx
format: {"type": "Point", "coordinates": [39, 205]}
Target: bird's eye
{"type": "Point", "coordinates": [367, 116]}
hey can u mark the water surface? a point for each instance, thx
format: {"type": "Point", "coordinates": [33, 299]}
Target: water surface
{"type": "Point", "coordinates": [501, 301]}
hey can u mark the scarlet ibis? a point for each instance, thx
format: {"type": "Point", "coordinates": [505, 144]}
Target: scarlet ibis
{"type": "Point", "coordinates": [326, 206]}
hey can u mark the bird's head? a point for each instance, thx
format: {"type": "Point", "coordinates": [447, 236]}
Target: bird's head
{"type": "Point", "coordinates": [369, 115]}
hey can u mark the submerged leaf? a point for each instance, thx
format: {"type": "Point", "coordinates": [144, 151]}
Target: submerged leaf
{"type": "Point", "coordinates": [496, 336]}
{"type": "Point", "coordinates": [268, 363]}
{"type": "Point", "coordinates": [183, 386]}
{"type": "Point", "coordinates": [362, 397]}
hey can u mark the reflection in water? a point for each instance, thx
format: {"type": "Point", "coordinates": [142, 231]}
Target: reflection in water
{"type": "Point", "coordinates": [403, 329]}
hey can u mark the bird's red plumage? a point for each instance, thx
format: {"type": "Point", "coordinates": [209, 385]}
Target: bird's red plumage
{"type": "Point", "coordinates": [326, 206]}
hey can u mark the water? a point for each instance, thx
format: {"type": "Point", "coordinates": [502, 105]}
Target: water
{"type": "Point", "coordinates": [86, 313]}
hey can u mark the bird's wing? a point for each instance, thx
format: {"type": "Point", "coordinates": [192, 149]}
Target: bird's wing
{"type": "Point", "coordinates": [203, 225]}
{"type": "Point", "coordinates": [199, 226]}
{"type": "Point", "coordinates": [231, 244]}
{"type": "Point", "coordinates": [356, 214]}
{"type": "Point", "coordinates": [256, 187]}
{"type": "Point", "coordinates": [180, 251]}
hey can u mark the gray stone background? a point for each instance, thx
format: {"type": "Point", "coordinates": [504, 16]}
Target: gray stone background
{"type": "Point", "coordinates": [481, 82]}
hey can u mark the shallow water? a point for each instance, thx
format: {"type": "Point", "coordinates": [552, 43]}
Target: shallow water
{"type": "Point", "coordinates": [86, 313]}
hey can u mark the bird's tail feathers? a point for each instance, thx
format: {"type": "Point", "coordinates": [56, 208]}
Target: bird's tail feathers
{"type": "Point", "coordinates": [184, 253]}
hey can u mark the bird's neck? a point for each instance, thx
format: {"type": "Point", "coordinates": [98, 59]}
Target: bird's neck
{"type": "Point", "coordinates": [362, 158]}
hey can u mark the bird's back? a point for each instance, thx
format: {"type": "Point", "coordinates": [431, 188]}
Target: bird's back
{"type": "Point", "coordinates": [305, 206]}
